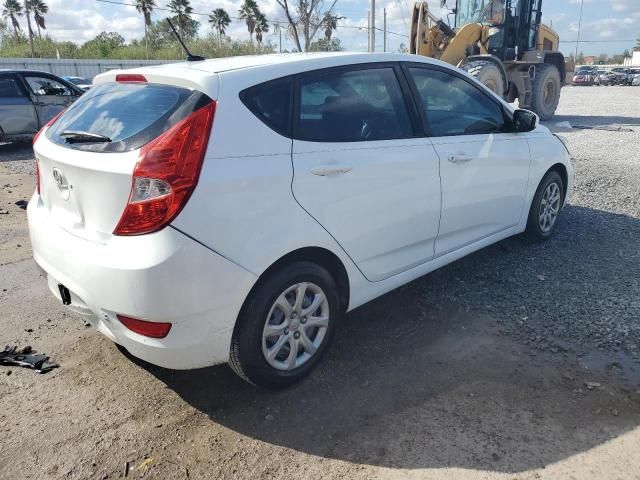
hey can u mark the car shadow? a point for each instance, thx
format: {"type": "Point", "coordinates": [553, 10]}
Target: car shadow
{"type": "Point", "coordinates": [16, 151]}
{"type": "Point", "coordinates": [595, 120]}
{"type": "Point", "coordinates": [436, 374]}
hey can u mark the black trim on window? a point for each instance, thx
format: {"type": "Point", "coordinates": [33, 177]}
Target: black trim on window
{"type": "Point", "coordinates": [423, 114]}
{"type": "Point", "coordinates": [246, 98]}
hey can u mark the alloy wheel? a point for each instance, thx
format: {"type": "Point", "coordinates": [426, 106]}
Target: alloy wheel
{"type": "Point", "coordinates": [295, 326]}
{"type": "Point", "coordinates": [549, 207]}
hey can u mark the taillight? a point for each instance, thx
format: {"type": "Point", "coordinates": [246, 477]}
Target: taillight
{"type": "Point", "coordinates": [47, 125]}
{"type": "Point", "coordinates": [143, 327]}
{"type": "Point", "coordinates": [130, 78]}
{"type": "Point", "coordinates": [166, 174]}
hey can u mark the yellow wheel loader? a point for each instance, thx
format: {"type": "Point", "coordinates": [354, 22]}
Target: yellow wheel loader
{"type": "Point", "coordinates": [500, 42]}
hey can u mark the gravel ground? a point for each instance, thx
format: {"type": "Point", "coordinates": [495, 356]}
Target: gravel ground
{"type": "Point", "coordinates": [516, 362]}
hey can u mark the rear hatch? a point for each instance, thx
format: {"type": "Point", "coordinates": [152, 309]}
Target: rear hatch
{"type": "Point", "coordinates": [88, 158]}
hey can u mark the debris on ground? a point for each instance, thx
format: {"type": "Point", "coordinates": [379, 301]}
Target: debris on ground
{"type": "Point", "coordinates": [606, 128]}
{"type": "Point", "coordinates": [28, 358]}
{"type": "Point", "coordinates": [592, 385]}
{"type": "Point", "coordinates": [3, 211]}
{"type": "Point", "coordinates": [22, 204]}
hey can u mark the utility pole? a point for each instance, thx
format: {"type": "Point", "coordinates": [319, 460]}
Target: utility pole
{"type": "Point", "coordinates": [368, 30]}
{"type": "Point", "coordinates": [579, 26]}
{"type": "Point", "coordinates": [372, 29]}
{"type": "Point", "coordinates": [384, 27]}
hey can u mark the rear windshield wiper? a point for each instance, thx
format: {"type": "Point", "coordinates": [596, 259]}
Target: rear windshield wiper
{"type": "Point", "coordinates": [78, 136]}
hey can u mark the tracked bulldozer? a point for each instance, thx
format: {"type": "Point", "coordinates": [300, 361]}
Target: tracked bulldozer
{"type": "Point", "coordinates": [502, 43]}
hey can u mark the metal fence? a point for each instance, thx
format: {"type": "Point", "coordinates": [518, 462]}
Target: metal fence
{"type": "Point", "coordinates": [75, 68]}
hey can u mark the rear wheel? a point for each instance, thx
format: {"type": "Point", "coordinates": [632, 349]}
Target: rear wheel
{"type": "Point", "coordinates": [285, 326]}
{"type": "Point", "coordinates": [546, 206]}
{"type": "Point", "coordinates": [488, 74]}
{"type": "Point", "coordinates": [545, 91]}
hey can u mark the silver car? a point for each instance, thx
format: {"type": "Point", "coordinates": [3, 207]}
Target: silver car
{"type": "Point", "coordinates": [29, 99]}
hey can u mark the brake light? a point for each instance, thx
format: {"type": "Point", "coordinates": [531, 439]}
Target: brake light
{"type": "Point", "coordinates": [143, 327]}
{"type": "Point", "coordinates": [130, 78]}
{"type": "Point", "coordinates": [166, 174]}
{"type": "Point", "coordinates": [47, 125]}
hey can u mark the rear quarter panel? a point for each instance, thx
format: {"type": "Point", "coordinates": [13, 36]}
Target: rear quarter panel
{"type": "Point", "coordinates": [243, 207]}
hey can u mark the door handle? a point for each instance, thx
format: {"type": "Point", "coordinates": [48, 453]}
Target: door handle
{"type": "Point", "coordinates": [326, 170]}
{"type": "Point", "coordinates": [460, 158]}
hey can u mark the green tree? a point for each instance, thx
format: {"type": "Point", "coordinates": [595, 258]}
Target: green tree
{"type": "Point", "coordinates": [324, 45]}
{"type": "Point", "coordinates": [12, 9]}
{"type": "Point", "coordinates": [103, 46]}
{"type": "Point", "coordinates": [183, 10]}
{"type": "Point", "coordinates": [330, 24]}
{"type": "Point", "coordinates": [145, 7]}
{"type": "Point", "coordinates": [219, 20]}
{"type": "Point", "coordinates": [262, 26]}
{"type": "Point", "coordinates": [247, 12]}
{"type": "Point", "coordinates": [39, 10]}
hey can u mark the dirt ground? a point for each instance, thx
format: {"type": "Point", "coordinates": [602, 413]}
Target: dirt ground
{"type": "Point", "coordinates": [414, 387]}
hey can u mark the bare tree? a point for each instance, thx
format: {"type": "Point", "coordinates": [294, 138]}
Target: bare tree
{"type": "Point", "coordinates": [305, 18]}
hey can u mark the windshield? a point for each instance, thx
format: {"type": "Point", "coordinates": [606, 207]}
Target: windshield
{"type": "Point", "coordinates": [489, 12]}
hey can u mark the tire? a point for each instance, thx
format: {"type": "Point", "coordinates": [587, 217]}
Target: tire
{"type": "Point", "coordinates": [486, 73]}
{"type": "Point", "coordinates": [535, 228]}
{"type": "Point", "coordinates": [250, 345]}
{"type": "Point", "coordinates": [545, 91]}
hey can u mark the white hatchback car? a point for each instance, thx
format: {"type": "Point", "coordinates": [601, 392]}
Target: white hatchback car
{"type": "Point", "coordinates": [233, 210]}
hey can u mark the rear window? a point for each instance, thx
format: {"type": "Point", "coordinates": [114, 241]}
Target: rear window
{"type": "Point", "coordinates": [130, 115]}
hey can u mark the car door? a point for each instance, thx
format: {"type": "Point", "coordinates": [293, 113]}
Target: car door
{"type": "Point", "coordinates": [17, 113]}
{"type": "Point", "coordinates": [484, 168]}
{"type": "Point", "coordinates": [362, 170]}
{"type": "Point", "coordinates": [49, 95]}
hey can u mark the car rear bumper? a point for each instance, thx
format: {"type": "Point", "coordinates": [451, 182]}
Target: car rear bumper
{"type": "Point", "coordinates": [164, 277]}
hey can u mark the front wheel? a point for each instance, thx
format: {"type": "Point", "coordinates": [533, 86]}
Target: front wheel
{"type": "Point", "coordinates": [285, 326]}
{"type": "Point", "coordinates": [545, 208]}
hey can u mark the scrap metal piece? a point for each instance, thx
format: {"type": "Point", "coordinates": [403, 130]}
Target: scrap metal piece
{"type": "Point", "coordinates": [28, 358]}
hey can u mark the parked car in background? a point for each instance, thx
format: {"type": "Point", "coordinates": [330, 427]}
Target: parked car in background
{"type": "Point", "coordinates": [634, 74]}
{"type": "Point", "coordinates": [29, 99]}
{"type": "Point", "coordinates": [608, 77]}
{"type": "Point", "coordinates": [623, 74]}
{"type": "Point", "coordinates": [191, 246]}
{"type": "Point", "coordinates": [636, 80]}
{"type": "Point", "coordinates": [83, 83]}
{"type": "Point", "coordinates": [583, 77]}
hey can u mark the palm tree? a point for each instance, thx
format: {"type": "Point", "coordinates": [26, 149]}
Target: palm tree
{"type": "Point", "coordinates": [219, 20]}
{"type": "Point", "coordinates": [330, 24]}
{"type": "Point", "coordinates": [261, 26]}
{"type": "Point", "coordinates": [247, 12]}
{"type": "Point", "coordinates": [183, 10]}
{"type": "Point", "coordinates": [12, 10]}
{"type": "Point", "coordinates": [145, 7]}
{"type": "Point", "coordinates": [39, 10]}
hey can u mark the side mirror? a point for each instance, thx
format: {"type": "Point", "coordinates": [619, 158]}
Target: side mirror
{"type": "Point", "coordinates": [524, 121]}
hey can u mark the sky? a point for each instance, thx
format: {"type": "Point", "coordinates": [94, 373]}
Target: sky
{"type": "Point", "coordinates": [608, 26]}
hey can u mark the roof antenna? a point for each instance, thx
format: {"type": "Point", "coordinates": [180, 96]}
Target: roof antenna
{"type": "Point", "coordinates": [190, 58]}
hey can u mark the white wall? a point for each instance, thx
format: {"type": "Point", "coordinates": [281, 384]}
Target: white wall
{"type": "Point", "coordinates": [75, 68]}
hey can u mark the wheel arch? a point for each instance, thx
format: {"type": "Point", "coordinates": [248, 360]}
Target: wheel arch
{"type": "Point", "coordinates": [561, 169]}
{"type": "Point", "coordinates": [320, 256]}
{"type": "Point", "coordinates": [557, 60]}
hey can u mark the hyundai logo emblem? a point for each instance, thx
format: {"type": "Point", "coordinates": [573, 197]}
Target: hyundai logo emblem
{"type": "Point", "coordinates": [62, 184]}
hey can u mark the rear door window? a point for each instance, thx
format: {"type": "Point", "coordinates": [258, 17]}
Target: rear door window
{"type": "Point", "coordinates": [47, 86]}
{"type": "Point", "coordinates": [352, 106]}
{"type": "Point", "coordinates": [129, 115]}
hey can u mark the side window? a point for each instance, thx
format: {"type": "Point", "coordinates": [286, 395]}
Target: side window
{"type": "Point", "coordinates": [271, 103]}
{"type": "Point", "coordinates": [455, 107]}
{"type": "Point", "coordinates": [352, 106]}
{"type": "Point", "coordinates": [47, 86]}
{"type": "Point", "coordinates": [9, 87]}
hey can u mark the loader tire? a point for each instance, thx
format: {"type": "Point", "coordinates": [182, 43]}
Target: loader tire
{"type": "Point", "coordinates": [545, 91]}
{"type": "Point", "coordinates": [486, 73]}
